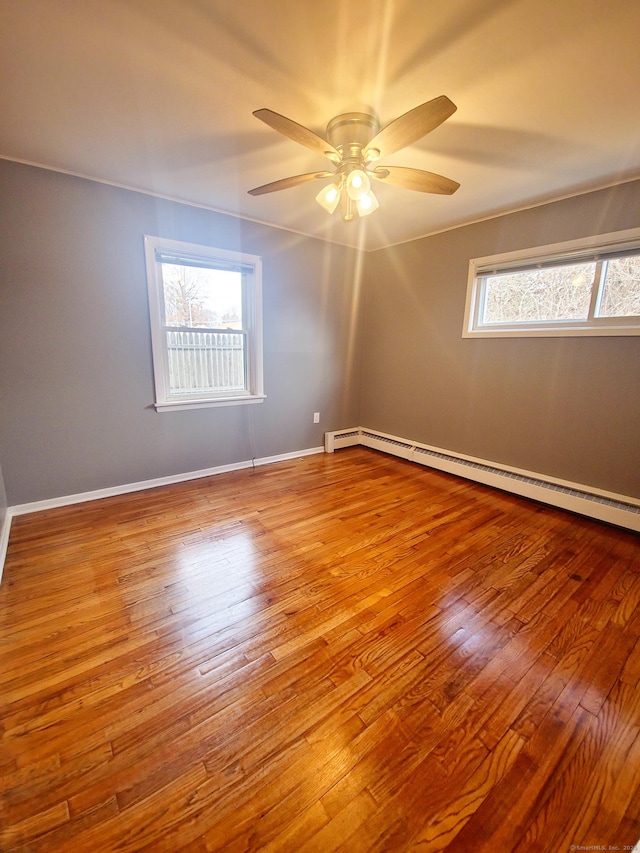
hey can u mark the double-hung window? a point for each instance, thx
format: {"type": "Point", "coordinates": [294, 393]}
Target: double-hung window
{"type": "Point", "coordinates": [206, 325]}
{"type": "Point", "coordinates": [585, 287]}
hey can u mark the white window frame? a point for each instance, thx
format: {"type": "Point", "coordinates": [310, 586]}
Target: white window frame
{"type": "Point", "coordinates": [596, 248]}
{"type": "Point", "coordinates": [158, 249]}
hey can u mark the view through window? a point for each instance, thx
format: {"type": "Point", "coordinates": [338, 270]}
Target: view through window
{"type": "Point", "coordinates": [564, 292]}
{"type": "Point", "coordinates": [206, 344]}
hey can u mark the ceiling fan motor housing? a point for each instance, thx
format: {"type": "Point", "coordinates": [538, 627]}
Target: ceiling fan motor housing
{"type": "Point", "coordinates": [350, 132]}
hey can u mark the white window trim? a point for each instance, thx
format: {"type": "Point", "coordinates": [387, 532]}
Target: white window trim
{"type": "Point", "coordinates": [252, 311]}
{"type": "Point", "coordinates": [612, 242]}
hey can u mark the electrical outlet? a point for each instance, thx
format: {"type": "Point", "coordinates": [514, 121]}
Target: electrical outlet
{"type": "Point", "coordinates": [316, 417]}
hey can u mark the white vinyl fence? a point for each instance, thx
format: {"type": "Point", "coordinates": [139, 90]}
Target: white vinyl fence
{"type": "Point", "coordinates": [205, 360]}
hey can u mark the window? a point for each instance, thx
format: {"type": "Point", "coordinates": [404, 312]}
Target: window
{"type": "Point", "coordinates": [206, 325]}
{"type": "Point", "coordinates": [586, 287]}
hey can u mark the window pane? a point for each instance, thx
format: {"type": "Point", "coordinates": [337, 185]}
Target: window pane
{"type": "Point", "coordinates": [202, 362]}
{"type": "Point", "coordinates": [198, 299]}
{"type": "Point", "coordinates": [621, 292]}
{"type": "Point", "coordinates": [539, 295]}
{"type": "Point", "coordinates": [543, 295]}
{"type": "Point", "coordinates": [201, 297]}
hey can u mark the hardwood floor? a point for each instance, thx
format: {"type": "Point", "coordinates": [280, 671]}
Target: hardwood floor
{"type": "Point", "coordinates": [344, 652]}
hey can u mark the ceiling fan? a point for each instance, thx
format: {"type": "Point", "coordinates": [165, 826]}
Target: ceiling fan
{"type": "Point", "coordinates": [354, 144]}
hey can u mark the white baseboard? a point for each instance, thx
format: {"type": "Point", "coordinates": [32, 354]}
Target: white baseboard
{"type": "Point", "coordinates": [4, 539]}
{"type": "Point", "coordinates": [621, 510]}
{"type": "Point", "coordinates": [83, 497]}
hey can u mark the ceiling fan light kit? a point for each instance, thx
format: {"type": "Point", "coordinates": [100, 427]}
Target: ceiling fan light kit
{"type": "Point", "coordinates": [357, 183]}
{"type": "Point", "coordinates": [329, 197]}
{"type": "Point", "coordinates": [367, 204]}
{"type": "Point", "coordinates": [354, 143]}
{"type": "Point", "coordinates": [352, 190]}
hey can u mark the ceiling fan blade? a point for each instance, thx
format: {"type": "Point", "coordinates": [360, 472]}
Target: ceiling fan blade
{"type": "Point", "coordinates": [287, 183]}
{"type": "Point", "coordinates": [415, 179]}
{"type": "Point", "coordinates": [411, 126]}
{"type": "Point", "coordinates": [298, 133]}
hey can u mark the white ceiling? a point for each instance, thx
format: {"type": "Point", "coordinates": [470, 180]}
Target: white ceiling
{"type": "Point", "coordinates": [158, 95]}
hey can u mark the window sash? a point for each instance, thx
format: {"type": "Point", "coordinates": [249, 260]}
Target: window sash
{"type": "Point", "coordinates": [196, 366]}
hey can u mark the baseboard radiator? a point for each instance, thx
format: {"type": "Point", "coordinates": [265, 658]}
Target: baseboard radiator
{"type": "Point", "coordinates": [615, 509]}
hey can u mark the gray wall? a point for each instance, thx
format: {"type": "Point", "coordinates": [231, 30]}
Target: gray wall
{"type": "Point", "coordinates": [565, 407]}
{"type": "Point", "coordinates": [76, 381]}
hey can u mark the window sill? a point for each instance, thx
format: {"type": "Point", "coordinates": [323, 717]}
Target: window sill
{"type": "Point", "coordinates": [183, 405]}
{"type": "Point", "coordinates": [552, 331]}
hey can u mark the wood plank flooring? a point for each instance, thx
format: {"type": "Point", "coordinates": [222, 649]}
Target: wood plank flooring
{"type": "Point", "coordinates": [343, 652]}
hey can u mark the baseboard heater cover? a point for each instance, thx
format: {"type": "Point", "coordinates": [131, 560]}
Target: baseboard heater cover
{"type": "Point", "coordinates": [615, 509]}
